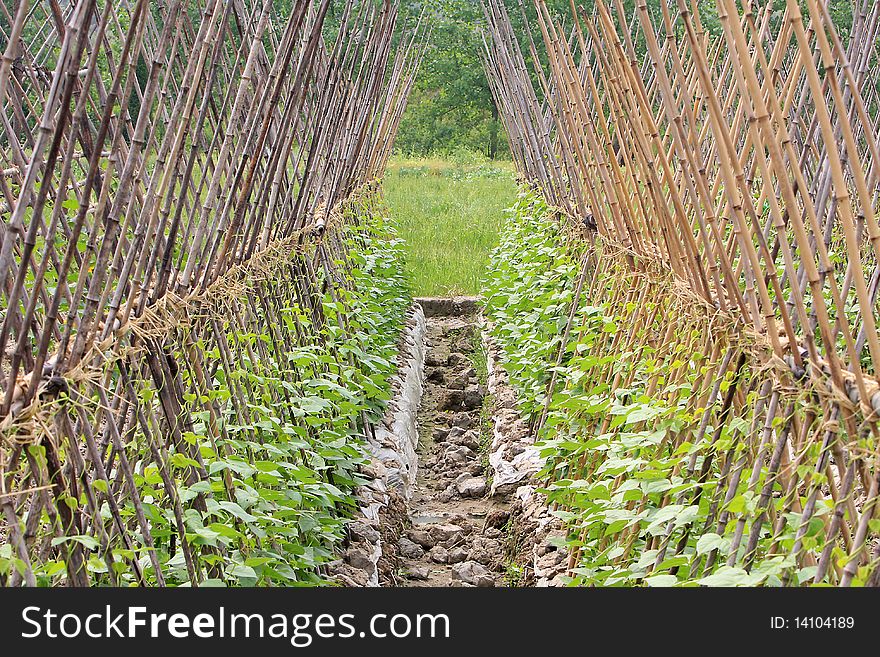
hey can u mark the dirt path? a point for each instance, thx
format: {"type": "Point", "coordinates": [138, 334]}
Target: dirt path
{"type": "Point", "coordinates": [456, 537]}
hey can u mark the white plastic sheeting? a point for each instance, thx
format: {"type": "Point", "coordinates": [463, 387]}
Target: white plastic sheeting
{"type": "Point", "coordinates": [397, 437]}
{"type": "Point", "coordinates": [393, 447]}
{"type": "Point", "coordinates": [515, 460]}
{"type": "Point", "coordinates": [512, 456]}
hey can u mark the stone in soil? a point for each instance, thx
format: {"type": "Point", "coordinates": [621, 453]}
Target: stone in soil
{"type": "Point", "coordinates": [444, 534]}
{"type": "Point", "coordinates": [409, 549]}
{"type": "Point", "coordinates": [421, 537]}
{"type": "Point", "coordinates": [452, 400]}
{"type": "Point", "coordinates": [472, 397]}
{"type": "Point", "coordinates": [456, 358]}
{"type": "Point", "coordinates": [462, 419]}
{"type": "Point", "coordinates": [468, 439]}
{"type": "Point", "coordinates": [360, 531]}
{"type": "Point", "coordinates": [438, 554]}
{"type": "Point", "coordinates": [417, 572]}
{"type": "Point", "coordinates": [497, 518]}
{"type": "Point", "coordinates": [436, 376]}
{"type": "Point", "coordinates": [457, 555]}
{"type": "Point", "coordinates": [473, 573]}
{"type": "Point", "coordinates": [459, 454]}
{"type": "Point", "coordinates": [472, 487]}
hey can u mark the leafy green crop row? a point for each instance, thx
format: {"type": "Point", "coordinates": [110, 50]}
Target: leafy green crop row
{"type": "Point", "coordinates": [646, 468]}
{"type": "Point", "coordinates": [265, 482]}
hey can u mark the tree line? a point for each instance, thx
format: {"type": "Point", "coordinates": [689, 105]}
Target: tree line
{"type": "Point", "coordinates": [451, 107]}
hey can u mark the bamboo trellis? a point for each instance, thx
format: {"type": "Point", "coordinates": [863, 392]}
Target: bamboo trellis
{"type": "Point", "coordinates": [733, 182]}
{"type": "Point", "coordinates": [172, 174]}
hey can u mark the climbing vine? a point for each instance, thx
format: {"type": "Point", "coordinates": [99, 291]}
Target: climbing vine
{"type": "Point", "coordinates": [657, 436]}
{"type": "Point", "coordinates": [259, 487]}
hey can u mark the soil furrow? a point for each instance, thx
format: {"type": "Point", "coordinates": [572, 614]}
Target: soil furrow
{"type": "Point", "coordinates": [457, 534]}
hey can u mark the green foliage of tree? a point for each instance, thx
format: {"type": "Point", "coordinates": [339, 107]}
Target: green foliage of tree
{"type": "Point", "coordinates": [451, 106]}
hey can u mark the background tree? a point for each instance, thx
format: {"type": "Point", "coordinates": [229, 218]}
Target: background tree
{"type": "Point", "coordinates": [451, 107]}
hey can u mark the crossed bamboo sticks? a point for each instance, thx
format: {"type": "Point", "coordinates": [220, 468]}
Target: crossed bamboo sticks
{"type": "Point", "coordinates": [743, 165]}
{"type": "Point", "coordinates": [159, 161]}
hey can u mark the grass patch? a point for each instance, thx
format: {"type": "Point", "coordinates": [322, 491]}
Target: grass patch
{"type": "Point", "coordinates": [449, 213]}
{"type": "Point", "coordinates": [513, 574]}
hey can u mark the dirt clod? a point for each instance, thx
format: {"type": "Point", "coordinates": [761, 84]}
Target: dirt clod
{"type": "Point", "coordinates": [473, 573]}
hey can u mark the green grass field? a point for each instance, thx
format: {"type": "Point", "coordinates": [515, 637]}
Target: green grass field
{"type": "Point", "coordinates": [449, 213]}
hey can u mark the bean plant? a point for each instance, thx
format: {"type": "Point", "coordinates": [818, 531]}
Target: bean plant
{"type": "Point", "coordinates": [634, 471]}
{"type": "Point", "coordinates": [265, 474]}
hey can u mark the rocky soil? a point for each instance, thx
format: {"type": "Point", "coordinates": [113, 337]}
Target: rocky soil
{"type": "Point", "coordinates": [450, 497]}
{"type": "Point", "coordinates": [457, 533]}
